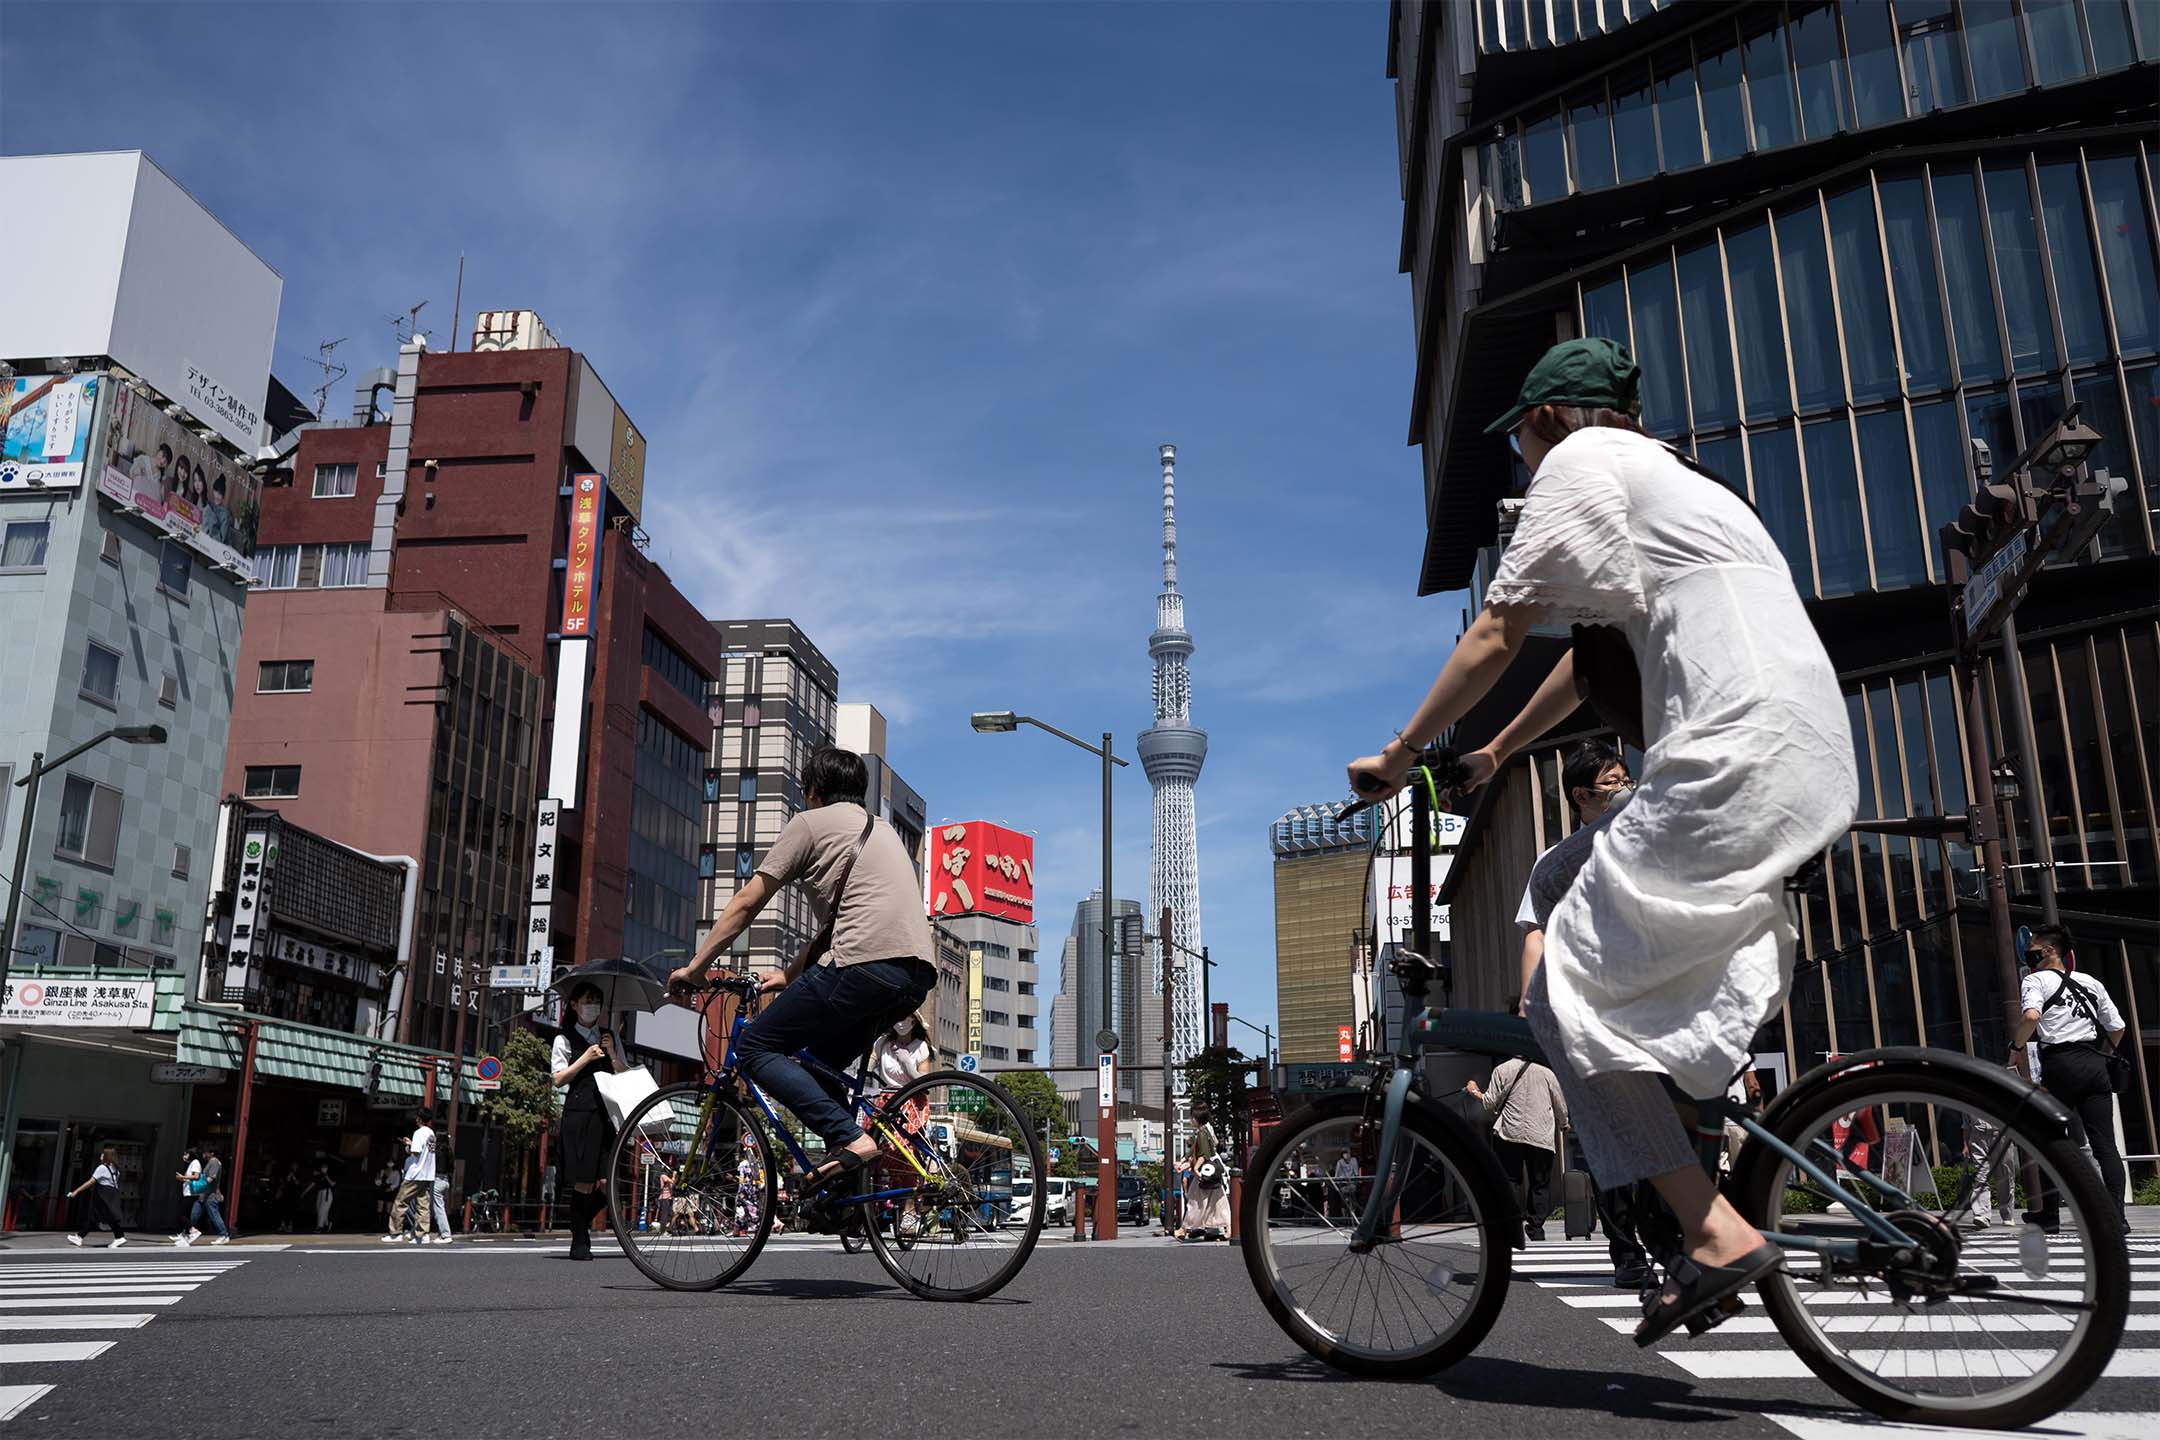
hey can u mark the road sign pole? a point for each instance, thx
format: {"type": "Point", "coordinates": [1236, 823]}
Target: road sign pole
{"type": "Point", "coordinates": [2013, 663]}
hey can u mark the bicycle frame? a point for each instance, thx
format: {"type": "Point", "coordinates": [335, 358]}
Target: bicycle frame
{"type": "Point", "coordinates": [1509, 1037]}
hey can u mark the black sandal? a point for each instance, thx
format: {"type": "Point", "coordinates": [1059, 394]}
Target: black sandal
{"type": "Point", "coordinates": [844, 1165]}
{"type": "Point", "coordinates": [1699, 1289]}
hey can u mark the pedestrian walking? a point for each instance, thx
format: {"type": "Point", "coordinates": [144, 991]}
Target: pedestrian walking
{"type": "Point", "coordinates": [1342, 1196]}
{"type": "Point", "coordinates": [103, 1206]}
{"type": "Point", "coordinates": [204, 1181]}
{"type": "Point", "coordinates": [322, 1191]}
{"type": "Point", "coordinates": [2078, 1028]}
{"type": "Point", "coordinates": [386, 1188]}
{"type": "Point", "coordinates": [582, 1045]}
{"type": "Point", "coordinates": [189, 1175]}
{"type": "Point", "coordinates": [1208, 1217]}
{"type": "Point", "coordinates": [439, 1198]}
{"type": "Point", "coordinates": [418, 1181]}
{"type": "Point", "coordinates": [1995, 1165]}
{"type": "Point", "coordinates": [1526, 1111]}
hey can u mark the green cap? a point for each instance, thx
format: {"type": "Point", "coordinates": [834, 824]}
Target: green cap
{"type": "Point", "coordinates": [1596, 371]}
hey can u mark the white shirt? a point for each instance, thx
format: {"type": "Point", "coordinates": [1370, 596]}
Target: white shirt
{"type": "Point", "coordinates": [895, 1064]}
{"type": "Point", "coordinates": [1675, 943]}
{"type": "Point", "coordinates": [194, 1168]}
{"type": "Point", "coordinates": [420, 1155]}
{"type": "Point", "coordinates": [2065, 1021]}
{"type": "Point", "coordinates": [562, 1055]}
{"type": "Point", "coordinates": [104, 1176]}
{"type": "Point", "coordinates": [1526, 913]}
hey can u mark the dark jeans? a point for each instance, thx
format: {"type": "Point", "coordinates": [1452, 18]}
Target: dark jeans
{"type": "Point", "coordinates": [2079, 1078]}
{"type": "Point", "coordinates": [1521, 1161]}
{"type": "Point", "coordinates": [834, 1012]}
{"type": "Point", "coordinates": [99, 1209]}
{"type": "Point", "coordinates": [206, 1204]}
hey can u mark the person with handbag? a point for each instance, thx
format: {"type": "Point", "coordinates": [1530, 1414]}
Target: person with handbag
{"type": "Point", "coordinates": [2068, 1013]}
{"type": "Point", "coordinates": [870, 963]}
{"type": "Point", "coordinates": [418, 1182]}
{"type": "Point", "coordinates": [584, 1049]}
{"type": "Point", "coordinates": [1208, 1215]}
{"type": "Point", "coordinates": [1525, 1109]}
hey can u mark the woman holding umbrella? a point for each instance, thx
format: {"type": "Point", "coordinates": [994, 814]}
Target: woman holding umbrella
{"type": "Point", "coordinates": [582, 1045]}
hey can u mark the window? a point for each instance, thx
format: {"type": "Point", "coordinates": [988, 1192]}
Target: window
{"type": "Point", "coordinates": [272, 782]}
{"type": "Point", "coordinates": [1759, 337]}
{"type": "Point", "coordinates": [276, 566]}
{"type": "Point", "coordinates": [1657, 347]}
{"type": "Point", "coordinates": [1775, 462]}
{"type": "Point", "coordinates": [1912, 282]}
{"type": "Point", "coordinates": [1987, 417]}
{"type": "Point", "coordinates": [176, 566]}
{"type": "Point", "coordinates": [1634, 126]}
{"type": "Point", "coordinates": [1717, 56]}
{"type": "Point", "coordinates": [1840, 543]}
{"type": "Point", "coordinates": [1769, 84]}
{"type": "Point", "coordinates": [1878, 94]}
{"type": "Point", "coordinates": [1945, 481]}
{"type": "Point", "coordinates": [1934, 65]}
{"type": "Point", "coordinates": [2058, 49]}
{"type": "Point", "coordinates": [89, 823]}
{"type": "Point", "coordinates": [22, 545]}
{"type": "Point", "coordinates": [1863, 299]}
{"type": "Point", "coordinates": [2017, 262]}
{"type": "Point", "coordinates": [182, 859]}
{"type": "Point", "coordinates": [1821, 71]}
{"type": "Point", "coordinates": [1893, 513]}
{"type": "Point", "coordinates": [1679, 121]}
{"type": "Point", "coordinates": [1806, 267]}
{"type": "Point", "coordinates": [284, 677]}
{"type": "Point", "coordinates": [1545, 157]}
{"type": "Point", "coordinates": [746, 788]}
{"type": "Point", "coordinates": [382, 469]}
{"type": "Point", "coordinates": [1027, 1057]}
{"type": "Point", "coordinates": [1965, 276]}
{"type": "Point", "coordinates": [745, 863]}
{"type": "Point", "coordinates": [1025, 1021]}
{"type": "Point", "coordinates": [1709, 345]}
{"type": "Point", "coordinates": [1591, 134]}
{"type": "Point", "coordinates": [2110, 22]}
{"type": "Point", "coordinates": [101, 674]}
{"type": "Point", "coordinates": [1991, 32]}
{"type": "Point", "coordinates": [1605, 311]}
{"type": "Point", "coordinates": [168, 694]}
{"type": "Point", "coordinates": [2077, 280]}
{"type": "Point", "coordinates": [344, 566]}
{"type": "Point", "coordinates": [2126, 245]}
{"type": "Point", "coordinates": [334, 482]}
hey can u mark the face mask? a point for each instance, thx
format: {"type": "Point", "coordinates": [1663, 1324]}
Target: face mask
{"type": "Point", "coordinates": [589, 1011]}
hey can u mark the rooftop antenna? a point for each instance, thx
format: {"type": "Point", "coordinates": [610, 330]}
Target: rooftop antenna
{"type": "Point", "coordinates": [407, 326]}
{"type": "Point", "coordinates": [457, 303]}
{"type": "Point", "coordinates": [332, 372]}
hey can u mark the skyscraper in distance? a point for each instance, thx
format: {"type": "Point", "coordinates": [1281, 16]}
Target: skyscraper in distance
{"type": "Point", "coordinates": [1172, 752]}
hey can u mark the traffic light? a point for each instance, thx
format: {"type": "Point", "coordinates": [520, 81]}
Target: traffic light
{"type": "Point", "coordinates": [2079, 510]}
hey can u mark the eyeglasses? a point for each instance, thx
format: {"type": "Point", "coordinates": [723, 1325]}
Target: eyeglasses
{"type": "Point", "coordinates": [1616, 787]}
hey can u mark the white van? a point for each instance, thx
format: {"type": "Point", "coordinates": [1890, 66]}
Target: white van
{"type": "Point", "coordinates": [1057, 1201]}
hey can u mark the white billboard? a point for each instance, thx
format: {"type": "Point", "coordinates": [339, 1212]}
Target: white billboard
{"type": "Point", "coordinates": [124, 262]}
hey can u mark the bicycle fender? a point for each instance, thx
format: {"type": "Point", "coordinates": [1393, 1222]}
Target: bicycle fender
{"type": "Point", "coordinates": [2015, 1090]}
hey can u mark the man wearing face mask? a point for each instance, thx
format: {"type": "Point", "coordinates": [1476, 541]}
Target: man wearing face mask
{"type": "Point", "coordinates": [2078, 1027]}
{"type": "Point", "coordinates": [582, 1046]}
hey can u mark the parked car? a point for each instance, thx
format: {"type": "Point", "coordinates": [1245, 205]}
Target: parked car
{"type": "Point", "coordinates": [1057, 1202]}
{"type": "Point", "coordinates": [1134, 1200]}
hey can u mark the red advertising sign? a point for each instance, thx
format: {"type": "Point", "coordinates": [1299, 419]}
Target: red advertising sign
{"type": "Point", "coordinates": [1342, 1043]}
{"type": "Point", "coordinates": [584, 549]}
{"type": "Point", "coordinates": [982, 869]}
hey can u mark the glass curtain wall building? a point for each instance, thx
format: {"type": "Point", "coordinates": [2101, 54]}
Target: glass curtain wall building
{"type": "Point", "coordinates": [1844, 241]}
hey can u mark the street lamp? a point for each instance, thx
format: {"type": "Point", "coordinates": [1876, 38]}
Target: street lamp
{"type": "Point", "coordinates": [1267, 1039]}
{"type": "Point", "coordinates": [1004, 722]}
{"type": "Point", "coordinates": [39, 769]}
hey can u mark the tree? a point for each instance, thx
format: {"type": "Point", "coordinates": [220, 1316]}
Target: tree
{"type": "Point", "coordinates": [1215, 1077]}
{"type": "Point", "coordinates": [1036, 1094]}
{"type": "Point", "coordinates": [526, 1102]}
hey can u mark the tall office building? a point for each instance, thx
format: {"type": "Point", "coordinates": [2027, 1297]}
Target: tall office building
{"type": "Point", "coordinates": [1172, 752]}
{"type": "Point", "coordinates": [981, 887]}
{"type": "Point", "coordinates": [1322, 915]}
{"type": "Point", "coordinates": [1844, 241]}
{"type": "Point", "coordinates": [1135, 1005]}
{"type": "Point", "coordinates": [778, 701]}
{"type": "Point", "coordinates": [860, 727]}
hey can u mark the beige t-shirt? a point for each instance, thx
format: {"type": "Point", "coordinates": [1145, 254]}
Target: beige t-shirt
{"type": "Point", "coordinates": [881, 916]}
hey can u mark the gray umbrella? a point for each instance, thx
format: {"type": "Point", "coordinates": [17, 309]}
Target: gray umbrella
{"type": "Point", "coordinates": [623, 985]}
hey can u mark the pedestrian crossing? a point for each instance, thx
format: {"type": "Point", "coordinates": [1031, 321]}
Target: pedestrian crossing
{"type": "Point", "coordinates": [1967, 1338]}
{"type": "Point", "coordinates": [53, 1303]}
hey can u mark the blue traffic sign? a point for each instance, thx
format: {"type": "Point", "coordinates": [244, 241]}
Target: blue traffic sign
{"type": "Point", "coordinates": [970, 1063]}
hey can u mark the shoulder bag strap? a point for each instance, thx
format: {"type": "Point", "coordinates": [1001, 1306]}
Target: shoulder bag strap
{"type": "Point", "coordinates": [1500, 1105]}
{"type": "Point", "coordinates": [823, 938]}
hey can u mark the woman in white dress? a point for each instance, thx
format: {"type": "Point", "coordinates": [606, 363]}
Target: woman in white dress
{"type": "Point", "coordinates": [1675, 943]}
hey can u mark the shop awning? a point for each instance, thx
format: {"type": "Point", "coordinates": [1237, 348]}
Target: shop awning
{"type": "Point", "coordinates": [286, 1050]}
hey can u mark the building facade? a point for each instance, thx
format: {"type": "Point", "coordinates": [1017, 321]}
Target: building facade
{"type": "Point", "coordinates": [1323, 924]}
{"type": "Point", "coordinates": [980, 886]}
{"type": "Point", "coordinates": [860, 727]}
{"type": "Point", "coordinates": [1135, 1013]}
{"type": "Point", "coordinates": [777, 701]}
{"type": "Point", "coordinates": [1844, 241]}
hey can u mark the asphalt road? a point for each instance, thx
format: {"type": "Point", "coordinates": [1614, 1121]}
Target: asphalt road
{"type": "Point", "coordinates": [1138, 1337]}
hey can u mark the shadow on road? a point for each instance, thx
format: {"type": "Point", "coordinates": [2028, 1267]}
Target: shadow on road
{"type": "Point", "coordinates": [1495, 1381]}
{"type": "Point", "coordinates": [809, 1288]}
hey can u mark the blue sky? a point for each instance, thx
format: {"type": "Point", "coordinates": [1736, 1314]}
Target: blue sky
{"type": "Point", "coordinates": [904, 296]}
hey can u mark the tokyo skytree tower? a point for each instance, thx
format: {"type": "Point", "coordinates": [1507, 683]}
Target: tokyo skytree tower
{"type": "Point", "coordinates": [1172, 752]}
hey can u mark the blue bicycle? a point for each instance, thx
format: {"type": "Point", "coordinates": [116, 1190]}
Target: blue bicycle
{"type": "Point", "coordinates": [694, 1178]}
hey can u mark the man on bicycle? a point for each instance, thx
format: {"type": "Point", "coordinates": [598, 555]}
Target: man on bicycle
{"type": "Point", "coordinates": [1675, 942]}
{"type": "Point", "coordinates": [870, 964]}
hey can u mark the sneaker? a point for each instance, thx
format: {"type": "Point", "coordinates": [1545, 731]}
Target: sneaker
{"type": "Point", "coordinates": [75, 1240]}
{"type": "Point", "coordinates": [393, 1238]}
{"type": "Point", "coordinates": [116, 1244]}
{"type": "Point", "coordinates": [183, 1241]}
{"type": "Point", "coordinates": [419, 1240]}
{"type": "Point", "coordinates": [194, 1232]}
{"type": "Point", "coordinates": [440, 1240]}
{"type": "Point", "coordinates": [1979, 1220]}
{"type": "Point", "coordinates": [222, 1240]}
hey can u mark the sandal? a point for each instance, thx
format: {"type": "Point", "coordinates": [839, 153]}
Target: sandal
{"type": "Point", "coordinates": [1698, 1289]}
{"type": "Point", "coordinates": [844, 1165]}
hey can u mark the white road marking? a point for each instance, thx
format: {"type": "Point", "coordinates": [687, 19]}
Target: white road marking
{"type": "Point", "coordinates": [73, 1322]}
{"type": "Point", "coordinates": [14, 1399]}
{"type": "Point", "coordinates": [2069, 1425]}
{"type": "Point", "coordinates": [52, 1351]}
{"type": "Point", "coordinates": [1902, 1364]}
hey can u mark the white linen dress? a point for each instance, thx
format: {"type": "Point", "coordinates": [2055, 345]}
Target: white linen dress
{"type": "Point", "coordinates": [1675, 944]}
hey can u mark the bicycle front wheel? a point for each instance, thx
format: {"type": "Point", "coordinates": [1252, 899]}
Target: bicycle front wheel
{"type": "Point", "coordinates": [1989, 1322]}
{"type": "Point", "coordinates": [1427, 1292]}
{"type": "Point", "coordinates": [691, 1182]}
{"type": "Point", "coordinates": [950, 1145]}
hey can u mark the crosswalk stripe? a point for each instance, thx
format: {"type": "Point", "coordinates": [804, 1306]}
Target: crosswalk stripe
{"type": "Point", "coordinates": [1862, 1324]}
{"type": "Point", "coordinates": [14, 1399]}
{"type": "Point", "coordinates": [73, 1322]}
{"type": "Point", "coordinates": [2069, 1425]}
{"type": "Point", "coordinates": [1904, 1364]}
{"type": "Point", "coordinates": [49, 1352]}
{"type": "Point", "coordinates": [10, 1302]}
{"type": "Point", "coordinates": [1839, 1297]}
{"type": "Point", "coordinates": [10, 1292]}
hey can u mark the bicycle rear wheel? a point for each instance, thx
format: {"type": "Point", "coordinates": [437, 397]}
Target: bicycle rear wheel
{"type": "Point", "coordinates": [691, 1182]}
{"type": "Point", "coordinates": [1987, 1325]}
{"type": "Point", "coordinates": [950, 1146]}
{"type": "Point", "coordinates": [1428, 1292]}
